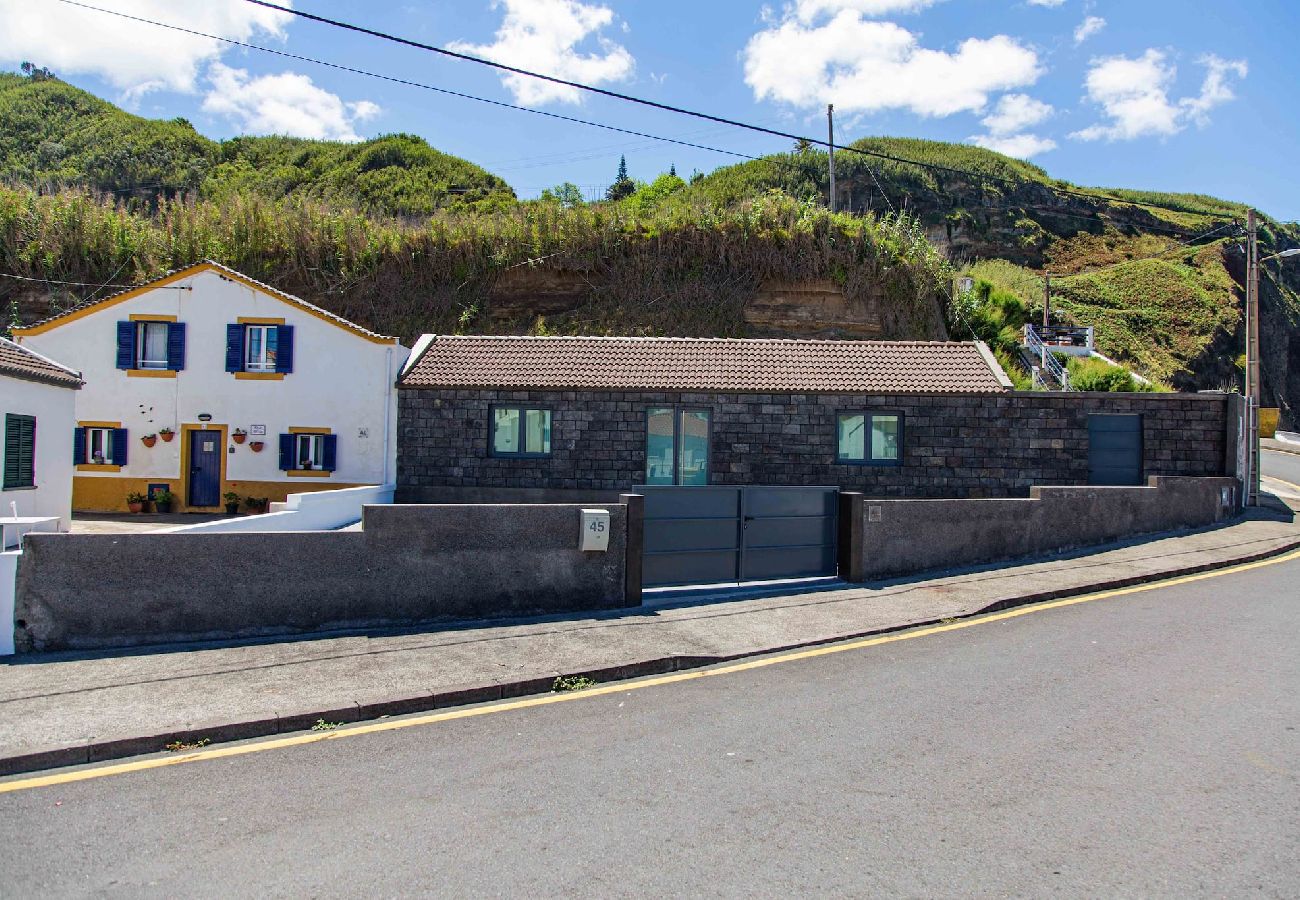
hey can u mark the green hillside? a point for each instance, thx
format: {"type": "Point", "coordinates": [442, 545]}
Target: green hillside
{"type": "Point", "coordinates": [56, 134]}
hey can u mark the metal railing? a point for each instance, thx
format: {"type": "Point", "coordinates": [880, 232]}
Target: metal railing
{"type": "Point", "coordinates": [1050, 363]}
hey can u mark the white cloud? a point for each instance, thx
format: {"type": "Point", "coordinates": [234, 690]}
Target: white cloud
{"type": "Point", "coordinates": [543, 35]}
{"type": "Point", "coordinates": [865, 66]}
{"type": "Point", "coordinates": [1134, 95]}
{"type": "Point", "coordinates": [1021, 146]}
{"type": "Point", "coordinates": [1088, 27]}
{"type": "Point", "coordinates": [1047, 3]}
{"type": "Point", "coordinates": [808, 10]}
{"type": "Point", "coordinates": [287, 103]}
{"type": "Point", "coordinates": [1016, 112]}
{"type": "Point", "coordinates": [71, 40]}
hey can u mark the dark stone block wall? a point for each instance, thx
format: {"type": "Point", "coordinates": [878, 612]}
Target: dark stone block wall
{"type": "Point", "coordinates": [953, 446]}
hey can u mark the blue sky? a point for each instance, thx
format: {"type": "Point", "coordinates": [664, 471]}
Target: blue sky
{"type": "Point", "coordinates": [1126, 93]}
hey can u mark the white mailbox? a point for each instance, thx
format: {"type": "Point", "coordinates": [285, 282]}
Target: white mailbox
{"type": "Point", "coordinates": [595, 530]}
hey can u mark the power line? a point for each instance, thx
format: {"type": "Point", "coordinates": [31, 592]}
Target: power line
{"type": "Point", "coordinates": [94, 284]}
{"type": "Point", "coordinates": [617, 95]}
{"type": "Point", "coordinates": [407, 82]}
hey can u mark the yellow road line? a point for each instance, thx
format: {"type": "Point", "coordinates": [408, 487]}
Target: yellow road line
{"type": "Point", "coordinates": [139, 765]}
{"type": "Point", "coordinates": [1292, 485]}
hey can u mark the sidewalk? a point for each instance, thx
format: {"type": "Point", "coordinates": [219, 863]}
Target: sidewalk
{"type": "Point", "coordinates": [64, 709]}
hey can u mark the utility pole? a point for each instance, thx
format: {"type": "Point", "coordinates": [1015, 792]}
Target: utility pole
{"type": "Point", "coordinates": [830, 130]}
{"type": "Point", "coordinates": [1251, 409]}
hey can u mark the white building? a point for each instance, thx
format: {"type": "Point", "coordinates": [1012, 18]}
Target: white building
{"type": "Point", "coordinates": [36, 415]}
{"type": "Point", "coordinates": [205, 382]}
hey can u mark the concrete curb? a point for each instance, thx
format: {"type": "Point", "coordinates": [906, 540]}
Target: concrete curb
{"type": "Point", "coordinates": [96, 751]}
{"type": "Point", "coordinates": [1280, 447]}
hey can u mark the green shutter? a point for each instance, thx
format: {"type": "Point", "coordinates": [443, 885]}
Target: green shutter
{"type": "Point", "coordinates": [20, 451]}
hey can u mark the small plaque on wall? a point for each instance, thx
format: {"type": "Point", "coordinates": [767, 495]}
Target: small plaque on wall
{"type": "Point", "coordinates": [257, 429]}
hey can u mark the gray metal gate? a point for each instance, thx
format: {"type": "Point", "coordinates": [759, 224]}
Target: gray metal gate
{"type": "Point", "coordinates": [715, 535]}
{"type": "Point", "coordinates": [1115, 449]}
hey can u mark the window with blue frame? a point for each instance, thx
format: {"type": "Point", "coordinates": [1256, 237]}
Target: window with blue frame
{"type": "Point", "coordinates": [99, 446]}
{"type": "Point", "coordinates": [870, 438]}
{"type": "Point", "coordinates": [154, 345]}
{"type": "Point", "coordinates": [520, 431]}
{"type": "Point", "coordinates": [261, 348]}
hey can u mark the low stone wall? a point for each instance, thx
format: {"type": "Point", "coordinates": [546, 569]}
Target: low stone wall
{"type": "Point", "coordinates": [409, 564]}
{"type": "Point", "coordinates": [899, 537]}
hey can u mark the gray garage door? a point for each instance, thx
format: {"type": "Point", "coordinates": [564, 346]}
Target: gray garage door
{"type": "Point", "coordinates": [716, 535]}
{"type": "Point", "coordinates": [1115, 449]}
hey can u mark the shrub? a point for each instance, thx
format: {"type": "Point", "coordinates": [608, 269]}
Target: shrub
{"type": "Point", "coordinates": [1098, 375]}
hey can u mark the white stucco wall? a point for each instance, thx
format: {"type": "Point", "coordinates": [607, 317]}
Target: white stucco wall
{"type": "Point", "coordinates": [53, 409]}
{"type": "Point", "coordinates": [340, 381]}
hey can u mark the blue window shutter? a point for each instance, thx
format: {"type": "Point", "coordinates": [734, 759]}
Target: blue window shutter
{"type": "Point", "coordinates": [287, 462]}
{"type": "Point", "coordinates": [176, 346]}
{"type": "Point", "coordinates": [118, 457]}
{"type": "Point", "coordinates": [330, 452]}
{"type": "Point", "coordinates": [78, 446]}
{"type": "Point", "coordinates": [234, 348]}
{"type": "Point", "coordinates": [126, 345]}
{"type": "Point", "coordinates": [284, 348]}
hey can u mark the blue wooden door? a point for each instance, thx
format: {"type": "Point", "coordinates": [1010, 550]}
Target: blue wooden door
{"type": "Point", "coordinates": [205, 468]}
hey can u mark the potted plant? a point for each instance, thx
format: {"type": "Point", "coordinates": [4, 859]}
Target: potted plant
{"type": "Point", "coordinates": [149, 440]}
{"type": "Point", "coordinates": [304, 464]}
{"type": "Point", "coordinates": [166, 434]}
{"type": "Point", "coordinates": [257, 505]}
{"type": "Point", "coordinates": [97, 459]}
{"type": "Point", "coordinates": [232, 503]}
{"type": "Point", "coordinates": [162, 501]}
{"type": "Point", "coordinates": [239, 435]}
{"type": "Point", "coordinates": [135, 502]}
{"type": "Point", "coordinates": [256, 446]}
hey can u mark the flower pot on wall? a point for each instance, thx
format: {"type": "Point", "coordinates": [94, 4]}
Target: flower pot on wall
{"type": "Point", "coordinates": [256, 446]}
{"type": "Point", "coordinates": [166, 435]}
{"type": "Point", "coordinates": [239, 436]}
{"type": "Point", "coordinates": [149, 440]}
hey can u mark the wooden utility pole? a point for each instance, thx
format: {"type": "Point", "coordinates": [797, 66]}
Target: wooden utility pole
{"type": "Point", "coordinates": [1251, 407]}
{"type": "Point", "coordinates": [830, 130]}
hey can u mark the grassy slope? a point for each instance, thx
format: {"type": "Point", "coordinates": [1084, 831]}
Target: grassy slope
{"type": "Point", "coordinates": [56, 133]}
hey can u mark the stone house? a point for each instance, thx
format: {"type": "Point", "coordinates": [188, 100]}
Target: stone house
{"type": "Point", "coordinates": [546, 418]}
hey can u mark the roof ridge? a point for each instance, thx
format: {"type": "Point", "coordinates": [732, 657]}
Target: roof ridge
{"type": "Point", "coordinates": [701, 340]}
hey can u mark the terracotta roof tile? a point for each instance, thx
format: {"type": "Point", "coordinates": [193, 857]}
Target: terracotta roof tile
{"type": "Point", "coordinates": [706, 364]}
{"type": "Point", "coordinates": [18, 362]}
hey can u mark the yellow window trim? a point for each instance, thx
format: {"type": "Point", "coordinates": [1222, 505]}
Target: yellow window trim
{"type": "Point", "coordinates": [150, 373]}
{"type": "Point", "coordinates": [93, 467]}
{"type": "Point", "coordinates": [148, 317]}
{"type": "Point", "coordinates": [258, 320]}
{"type": "Point", "coordinates": [300, 429]}
{"type": "Point", "coordinates": [99, 424]}
{"type": "Point", "coordinates": [260, 376]}
{"type": "Point", "coordinates": [186, 273]}
{"type": "Point", "coordinates": [308, 473]}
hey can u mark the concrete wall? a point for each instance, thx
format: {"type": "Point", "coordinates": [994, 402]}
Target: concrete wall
{"type": "Point", "coordinates": [8, 579]}
{"type": "Point", "coordinates": [953, 446]}
{"type": "Point", "coordinates": [53, 408]}
{"type": "Point", "coordinates": [899, 537]}
{"type": "Point", "coordinates": [410, 564]}
{"type": "Point", "coordinates": [317, 511]}
{"type": "Point", "coordinates": [341, 381]}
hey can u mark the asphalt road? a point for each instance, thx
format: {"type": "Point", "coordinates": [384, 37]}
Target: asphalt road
{"type": "Point", "coordinates": [1280, 465]}
{"type": "Point", "coordinates": [1142, 745]}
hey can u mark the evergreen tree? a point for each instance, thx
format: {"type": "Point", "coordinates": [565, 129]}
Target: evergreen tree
{"type": "Point", "coordinates": [622, 186]}
{"type": "Point", "coordinates": [672, 169]}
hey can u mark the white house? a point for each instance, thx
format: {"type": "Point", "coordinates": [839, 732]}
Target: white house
{"type": "Point", "coordinates": [205, 382]}
{"type": "Point", "coordinates": [37, 415]}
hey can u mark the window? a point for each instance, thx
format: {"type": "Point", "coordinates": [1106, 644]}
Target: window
{"type": "Point", "coordinates": [520, 431]}
{"type": "Point", "coordinates": [870, 438]}
{"type": "Point", "coordinates": [261, 342]}
{"type": "Point", "coordinates": [261, 347]}
{"type": "Point", "coordinates": [677, 446]}
{"type": "Point", "coordinates": [99, 445]}
{"type": "Point", "coordinates": [151, 345]}
{"type": "Point", "coordinates": [20, 452]}
{"type": "Point", "coordinates": [314, 451]}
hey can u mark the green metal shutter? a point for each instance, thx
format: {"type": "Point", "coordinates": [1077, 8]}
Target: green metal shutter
{"type": "Point", "coordinates": [20, 451]}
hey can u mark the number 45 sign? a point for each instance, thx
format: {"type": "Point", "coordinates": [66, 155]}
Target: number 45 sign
{"type": "Point", "coordinates": [594, 534]}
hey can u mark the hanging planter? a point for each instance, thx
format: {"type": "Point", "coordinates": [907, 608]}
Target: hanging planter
{"type": "Point", "coordinates": [149, 440]}
{"type": "Point", "coordinates": [239, 435]}
{"type": "Point", "coordinates": [166, 434]}
{"type": "Point", "coordinates": [256, 446]}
